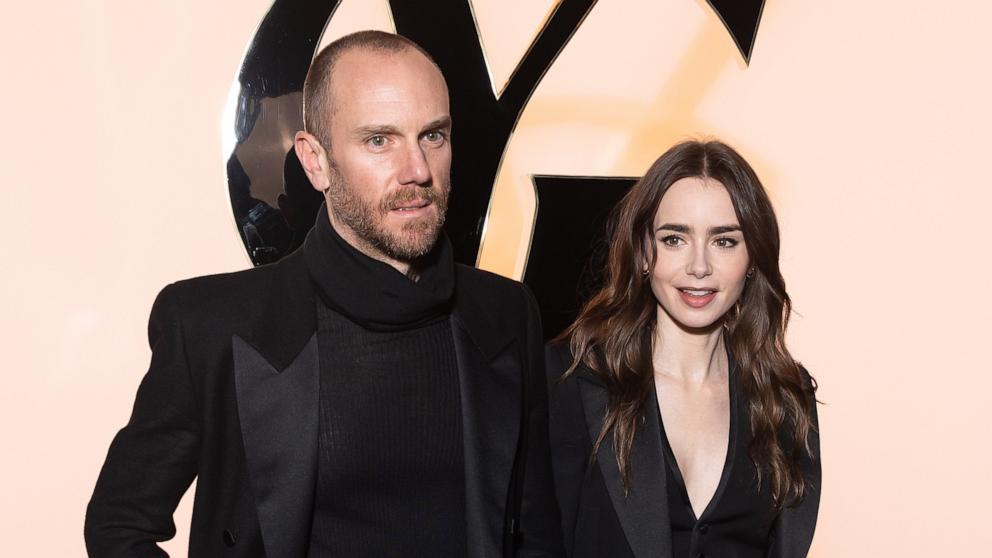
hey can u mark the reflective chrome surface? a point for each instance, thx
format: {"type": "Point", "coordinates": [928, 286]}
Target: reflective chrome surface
{"type": "Point", "coordinates": [273, 203]}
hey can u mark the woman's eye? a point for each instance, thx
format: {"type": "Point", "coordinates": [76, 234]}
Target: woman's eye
{"type": "Point", "coordinates": [672, 240]}
{"type": "Point", "coordinates": [726, 242]}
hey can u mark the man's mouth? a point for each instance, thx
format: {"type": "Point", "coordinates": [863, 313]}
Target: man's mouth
{"type": "Point", "coordinates": [411, 206]}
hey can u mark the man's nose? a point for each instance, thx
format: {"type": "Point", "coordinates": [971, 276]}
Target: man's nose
{"type": "Point", "coordinates": [415, 169]}
{"type": "Point", "coordinates": [699, 263]}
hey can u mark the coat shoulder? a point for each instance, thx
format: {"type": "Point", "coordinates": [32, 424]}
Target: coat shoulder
{"type": "Point", "coordinates": [273, 297]}
{"type": "Point", "coordinates": [243, 288]}
{"type": "Point", "coordinates": [222, 288]}
{"type": "Point", "coordinates": [486, 282]}
{"type": "Point", "coordinates": [493, 294]}
{"type": "Point", "coordinates": [557, 357]}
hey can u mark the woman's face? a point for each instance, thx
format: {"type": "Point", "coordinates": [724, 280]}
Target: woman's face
{"type": "Point", "coordinates": [702, 260]}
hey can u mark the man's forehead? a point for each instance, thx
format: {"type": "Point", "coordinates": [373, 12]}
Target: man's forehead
{"type": "Point", "coordinates": [387, 88]}
{"type": "Point", "coordinates": [366, 69]}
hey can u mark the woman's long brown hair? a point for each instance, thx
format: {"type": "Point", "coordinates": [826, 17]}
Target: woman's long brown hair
{"type": "Point", "coordinates": [613, 334]}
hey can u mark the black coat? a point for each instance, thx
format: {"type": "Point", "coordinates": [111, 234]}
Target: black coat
{"type": "Point", "coordinates": [231, 398]}
{"type": "Point", "coordinates": [598, 520]}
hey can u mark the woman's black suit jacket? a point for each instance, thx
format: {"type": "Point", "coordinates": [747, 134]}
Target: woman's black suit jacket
{"type": "Point", "coordinates": [597, 519]}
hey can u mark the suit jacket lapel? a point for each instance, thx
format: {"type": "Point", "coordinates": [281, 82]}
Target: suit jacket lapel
{"type": "Point", "coordinates": [489, 367]}
{"type": "Point", "coordinates": [276, 376]}
{"type": "Point", "coordinates": [278, 412]}
{"type": "Point", "coordinates": [643, 512]}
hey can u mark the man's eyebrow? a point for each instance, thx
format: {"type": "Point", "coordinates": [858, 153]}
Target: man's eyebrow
{"type": "Point", "coordinates": [440, 123]}
{"type": "Point", "coordinates": [363, 132]}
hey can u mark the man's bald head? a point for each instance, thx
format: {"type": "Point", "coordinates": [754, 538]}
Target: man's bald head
{"type": "Point", "coordinates": [317, 93]}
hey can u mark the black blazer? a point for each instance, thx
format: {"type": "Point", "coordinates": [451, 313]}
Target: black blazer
{"type": "Point", "coordinates": [597, 519]}
{"type": "Point", "coordinates": [231, 398]}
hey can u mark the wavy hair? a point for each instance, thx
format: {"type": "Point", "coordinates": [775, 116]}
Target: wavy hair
{"type": "Point", "coordinates": [613, 334]}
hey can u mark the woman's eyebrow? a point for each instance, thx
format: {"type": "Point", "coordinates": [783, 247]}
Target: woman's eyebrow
{"type": "Point", "coordinates": [686, 229]}
{"type": "Point", "coordinates": [675, 227]}
{"type": "Point", "coordinates": [724, 229]}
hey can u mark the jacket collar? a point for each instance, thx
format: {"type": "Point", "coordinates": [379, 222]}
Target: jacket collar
{"type": "Point", "coordinates": [643, 512]}
{"type": "Point", "coordinates": [475, 313]}
{"type": "Point", "coordinates": [288, 318]}
{"type": "Point", "coordinates": [489, 373]}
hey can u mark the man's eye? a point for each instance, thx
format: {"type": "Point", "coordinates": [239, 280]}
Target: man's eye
{"type": "Point", "coordinates": [671, 240]}
{"type": "Point", "coordinates": [434, 137]}
{"type": "Point", "coordinates": [725, 242]}
{"type": "Point", "coordinates": [377, 141]}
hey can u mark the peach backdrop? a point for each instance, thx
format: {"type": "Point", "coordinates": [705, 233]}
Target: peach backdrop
{"type": "Point", "coordinates": [865, 119]}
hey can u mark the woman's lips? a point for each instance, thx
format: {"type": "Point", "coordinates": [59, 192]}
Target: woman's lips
{"type": "Point", "coordinates": [697, 298]}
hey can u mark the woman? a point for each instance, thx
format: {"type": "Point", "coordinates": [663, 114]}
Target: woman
{"type": "Point", "coordinates": [680, 424]}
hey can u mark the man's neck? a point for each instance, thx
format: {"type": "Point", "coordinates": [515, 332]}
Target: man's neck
{"type": "Point", "coordinates": [363, 246]}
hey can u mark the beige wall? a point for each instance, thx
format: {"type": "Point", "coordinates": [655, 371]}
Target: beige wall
{"type": "Point", "coordinates": [866, 124]}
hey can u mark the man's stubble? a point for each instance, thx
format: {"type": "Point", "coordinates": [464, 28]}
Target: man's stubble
{"type": "Point", "coordinates": [367, 219]}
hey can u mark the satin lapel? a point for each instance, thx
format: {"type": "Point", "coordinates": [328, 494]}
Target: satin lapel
{"type": "Point", "coordinates": [279, 420]}
{"type": "Point", "coordinates": [643, 512]}
{"type": "Point", "coordinates": [491, 401]}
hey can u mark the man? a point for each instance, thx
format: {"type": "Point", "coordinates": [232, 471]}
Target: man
{"type": "Point", "coordinates": [364, 396]}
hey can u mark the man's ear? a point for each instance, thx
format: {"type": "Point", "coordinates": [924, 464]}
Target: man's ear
{"type": "Point", "coordinates": [314, 160]}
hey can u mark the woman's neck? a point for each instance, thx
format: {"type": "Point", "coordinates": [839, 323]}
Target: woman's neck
{"type": "Point", "coordinates": [695, 356]}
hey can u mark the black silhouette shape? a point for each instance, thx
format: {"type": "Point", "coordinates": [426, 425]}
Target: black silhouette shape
{"type": "Point", "coordinates": [569, 247]}
{"type": "Point", "coordinates": [741, 18]}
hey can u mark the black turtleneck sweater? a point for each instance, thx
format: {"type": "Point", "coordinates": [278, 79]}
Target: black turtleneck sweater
{"type": "Point", "coordinates": [390, 476]}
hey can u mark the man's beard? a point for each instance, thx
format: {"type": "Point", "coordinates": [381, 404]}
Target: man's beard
{"type": "Point", "coordinates": [366, 219]}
